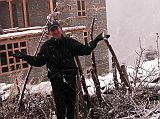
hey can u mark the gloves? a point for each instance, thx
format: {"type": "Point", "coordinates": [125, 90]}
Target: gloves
{"type": "Point", "coordinates": [20, 55]}
{"type": "Point", "coordinates": [106, 36]}
{"type": "Point", "coordinates": [101, 36]}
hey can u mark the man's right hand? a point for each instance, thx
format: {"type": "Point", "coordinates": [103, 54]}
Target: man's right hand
{"type": "Point", "coordinates": [20, 55]}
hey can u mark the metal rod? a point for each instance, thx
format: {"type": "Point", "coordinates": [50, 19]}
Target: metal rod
{"type": "Point", "coordinates": [30, 68]}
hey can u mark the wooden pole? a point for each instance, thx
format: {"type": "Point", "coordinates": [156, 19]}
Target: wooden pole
{"type": "Point", "coordinates": [78, 99]}
{"type": "Point", "coordinates": [158, 48]}
{"type": "Point", "coordinates": [25, 14]}
{"type": "Point", "coordinates": [89, 104]}
{"type": "Point", "coordinates": [125, 72]}
{"type": "Point", "coordinates": [92, 54]}
{"type": "Point", "coordinates": [10, 13]}
{"type": "Point", "coordinates": [114, 69]}
{"type": "Point", "coordinates": [122, 76]}
{"type": "Point", "coordinates": [51, 6]}
{"type": "Point", "coordinates": [97, 86]}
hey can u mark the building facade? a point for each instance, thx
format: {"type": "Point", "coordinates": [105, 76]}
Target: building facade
{"type": "Point", "coordinates": [19, 16]}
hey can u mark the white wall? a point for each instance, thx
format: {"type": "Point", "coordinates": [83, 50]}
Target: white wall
{"type": "Point", "coordinates": [127, 21]}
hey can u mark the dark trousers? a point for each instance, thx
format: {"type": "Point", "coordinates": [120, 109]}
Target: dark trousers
{"type": "Point", "coordinates": [64, 92]}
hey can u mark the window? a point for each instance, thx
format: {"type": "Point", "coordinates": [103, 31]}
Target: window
{"type": "Point", "coordinates": [7, 61]}
{"type": "Point", "coordinates": [81, 7]}
{"type": "Point", "coordinates": [85, 36]}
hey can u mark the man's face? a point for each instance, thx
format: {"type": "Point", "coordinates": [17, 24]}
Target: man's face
{"type": "Point", "coordinates": [55, 32]}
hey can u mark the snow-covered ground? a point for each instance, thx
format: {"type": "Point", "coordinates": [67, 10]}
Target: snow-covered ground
{"type": "Point", "coordinates": [45, 87]}
{"type": "Point", "coordinates": [144, 74]}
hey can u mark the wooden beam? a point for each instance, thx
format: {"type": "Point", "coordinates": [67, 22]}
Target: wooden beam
{"type": "Point", "coordinates": [25, 13]}
{"type": "Point", "coordinates": [10, 13]}
{"type": "Point", "coordinates": [34, 30]}
{"type": "Point", "coordinates": [51, 6]}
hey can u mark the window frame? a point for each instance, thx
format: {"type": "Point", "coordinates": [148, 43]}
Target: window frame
{"type": "Point", "coordinates": [85, 37]}
{"type": "Point", "coordinates": [11, 61]}
{"type": "Point", "coordinates": [81, 8]}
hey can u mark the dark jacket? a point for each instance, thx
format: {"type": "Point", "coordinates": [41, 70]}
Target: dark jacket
{"type": "Point", "coordinates": [59, 54]}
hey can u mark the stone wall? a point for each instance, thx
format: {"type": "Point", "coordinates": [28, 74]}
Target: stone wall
{"type": "Point", "coordinates": [4, 16]}
{"type": "Point", "coordinates": [94, 9]}
{"type": "Point", "coordinates": [37, 12]}
{"type": "Point", "coordinates": [39, 9]}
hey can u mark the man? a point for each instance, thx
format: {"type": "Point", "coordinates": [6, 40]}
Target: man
{"type": "Point", "coordinates": [58, 55]}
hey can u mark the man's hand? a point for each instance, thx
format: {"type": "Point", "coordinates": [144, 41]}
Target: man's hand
{"type": "Point", "coordinates": [106, 36]}
{"type": "Point", "coordinates": [101, 36]}
{"type": "Point", "coordinates": [20, 55]}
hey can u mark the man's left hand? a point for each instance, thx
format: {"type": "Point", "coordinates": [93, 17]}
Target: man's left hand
{"type": "Point", "coordinates": [101, 36]}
